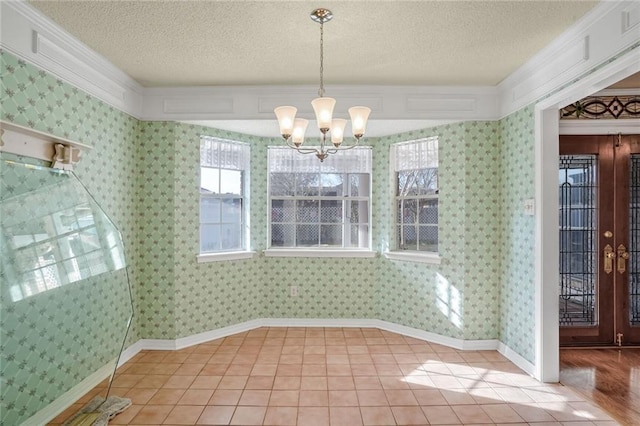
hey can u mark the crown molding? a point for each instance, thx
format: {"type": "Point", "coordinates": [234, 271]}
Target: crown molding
{"type": "Point", "coordinates": [600, 127]}
{"type": "Point", "coordinates": [258, 102]}
{"type": "Point", "coordinates": [618, 92]}
{"type": "Point", "coordinates": [32, 36]}
{"type": "Point", "coordinates": [603, 33]}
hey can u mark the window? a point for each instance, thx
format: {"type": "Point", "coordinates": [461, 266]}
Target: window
{"type": "Point", "coordinates": [224, 167]}
{"type": "Point", "coordinates": [415, 166]}
{"type": "Point", "coordinates": [320, 204]}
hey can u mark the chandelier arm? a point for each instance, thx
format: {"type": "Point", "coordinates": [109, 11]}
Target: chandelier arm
{"type": "Point", "coordinates": [306, 151]}
{"type": "Point", "coordinates": [346, 147]}
{"type": "Point", "coordinates": [300, 150]}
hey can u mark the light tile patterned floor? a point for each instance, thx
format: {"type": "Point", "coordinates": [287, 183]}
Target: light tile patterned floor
{"type": "Point", "coordinates": [335, 376]}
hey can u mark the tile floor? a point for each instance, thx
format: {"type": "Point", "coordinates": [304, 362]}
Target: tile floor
{"type": "Point", "coordinates": [335, 376]}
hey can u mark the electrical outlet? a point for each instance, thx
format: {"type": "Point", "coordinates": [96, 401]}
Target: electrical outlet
{"type": "Point", "coordinates": [293, 291]}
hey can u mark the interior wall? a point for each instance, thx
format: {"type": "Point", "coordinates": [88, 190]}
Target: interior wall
{"type": "Point", "coordinates": [33, 98]}
{"type": "Point", "coordinates": [36, 99]}
{"type": "Point", "coordinates": [145, 174]}
{"type": "Point", "coordinates": [516, 274]}
{"type": "Point", "coordinates": [216, 294]}
{"type": "Point", "coordinates": [155, 232]}
{"type": "Point", "coordinates": [207, 296]}
{"type": "Point", "coordinates": [483, 234]}
{"type": "Point", "coordinates": [459, 297]}
{"type": "Point", "coordinates": [177, 297]}
{"type": "Point", "coordinates": [425, 296]}
{"type": "Point", "coordinates": [327, 287]}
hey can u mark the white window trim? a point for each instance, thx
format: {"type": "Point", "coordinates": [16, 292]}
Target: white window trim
{"type": "Point", "coordinates": [318, 251]}
{"type": "Point", "coordinates": [431, 258]}
{"type": "Point", "coordinates": [216, 256]}
{"type": "Point", "coordinates": [224, 256]}
{"type": "Point", "coordinates": [312, 252]}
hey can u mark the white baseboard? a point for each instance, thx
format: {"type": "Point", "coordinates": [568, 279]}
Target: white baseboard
{"type": "Point", "coordinates": [158, 344]}
{"type": "Point", "coordinates": [460, 344]}
{"type": "Point", "coordinates": [207, 336]}
{"type": "Point", "coordinates": [517, 359]}
{"type": "Point", "coordinates": [59, 405]}
{"type": "Point", "coordinates": [65, 400]}
{"type": "Point", "coordinates": [130, 352]}
{"type": "Point", "coordinates": [318, 322]}
{"type": "Point", "coordinates": [420, 334]}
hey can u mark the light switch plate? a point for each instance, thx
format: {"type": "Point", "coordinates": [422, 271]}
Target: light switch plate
{"type": "Point", "coordinates": [530, 206]}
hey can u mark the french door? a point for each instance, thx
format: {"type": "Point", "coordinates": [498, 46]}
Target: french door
{"type": "Point", "coordinates": [599, 178]}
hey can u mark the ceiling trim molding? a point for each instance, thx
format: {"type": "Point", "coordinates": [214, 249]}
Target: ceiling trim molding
{"type": "Point", "coordinates": [600, 127]}
{"type": "Point", "coordinates": [618, 92]}
{"type": "Point", "coordinates": [30, 35]}
{"type": "Point", "coordinates": [258, 102]}
{"type": "Point", "coordinates": [603, 33]}
{"type": "Point", "coordinates": [606, 31]}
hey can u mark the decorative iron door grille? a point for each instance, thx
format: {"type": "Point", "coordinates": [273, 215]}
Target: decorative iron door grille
{"type": "Point", "coordinates": [634, 241]}
{"type": "Point", "coordinates": [578, 240]}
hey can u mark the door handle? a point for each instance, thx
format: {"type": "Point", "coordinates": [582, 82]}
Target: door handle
{"type": "Point", "coordinates": [609, 255]}
{"type": "Point", "coordinates": [623, 255]}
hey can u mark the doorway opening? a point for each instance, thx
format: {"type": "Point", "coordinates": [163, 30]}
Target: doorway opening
{"type": "Point", "coordinates": [599, 240]}
{"type": "Point", "coordinates": [547, 242]}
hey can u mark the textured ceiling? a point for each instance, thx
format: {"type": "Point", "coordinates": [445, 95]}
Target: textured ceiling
{"type": "Point", "coordinates": [187, 43]}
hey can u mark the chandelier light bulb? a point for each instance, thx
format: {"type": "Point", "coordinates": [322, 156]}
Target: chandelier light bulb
{"type": "Point", "coordinates": [299, 129]}
{"type": "Point", "coordinates": [323, 107]}
{"type": "Point", "coordinates": [286, 117]}
{"type": "Point", "coordinates": [359, 116]}
{"type": "Point", "coordinates": [337, 131]}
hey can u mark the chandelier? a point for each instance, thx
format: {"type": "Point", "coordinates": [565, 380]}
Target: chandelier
{"type": "Point", "coordinates": [293, 129]}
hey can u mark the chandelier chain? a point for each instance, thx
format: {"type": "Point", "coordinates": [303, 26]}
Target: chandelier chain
{"type": "Point", "coordinates": [321, 90]}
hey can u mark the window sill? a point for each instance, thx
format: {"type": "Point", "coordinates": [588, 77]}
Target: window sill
{"type": "Point", "coordinates": [430, 258]}
{"type": "Point", "coordinates": [292, 252]}
{"type": "Point", "coordinates": [226, 255]}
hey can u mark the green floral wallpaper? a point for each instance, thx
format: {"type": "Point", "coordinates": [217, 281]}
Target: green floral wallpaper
{"type": "Point", "coordinates": [459, 297]}
{"type": "Point", "coordinates": [33, 98]}
{"type": "Point", "coordinates": [217, 294]}
{"type": "Point", "coordinates": [327, 287]}
{"type": "Point", "coordinates": [77, 321]}
{"type": "Point", "coordinates": [155, 230]}
{"type": "Point", "coordinates": [482, 261]}
{"type": "Point", "coordinates": [145, 175]}
{"type": "Point", "coordinates": [517, 304]}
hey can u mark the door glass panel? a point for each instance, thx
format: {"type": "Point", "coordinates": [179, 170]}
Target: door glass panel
{"type": "Point", "coordinates": [578, 240]}
{"type": "Point", "coordinates": [634, 241]}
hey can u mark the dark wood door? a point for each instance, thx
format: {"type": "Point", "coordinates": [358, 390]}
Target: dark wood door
{"type": "Point", "coordinates": [627, 230]}
{"type": "Point", "coordinates": [599, 178]}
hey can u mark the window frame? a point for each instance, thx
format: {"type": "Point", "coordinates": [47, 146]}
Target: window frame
{"type": "Point", "coordinates": [407, 254]}
{"type": "Point", "coordinates": [244, 252]}
{"type": "Point", "coordinates": [318, 250]}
